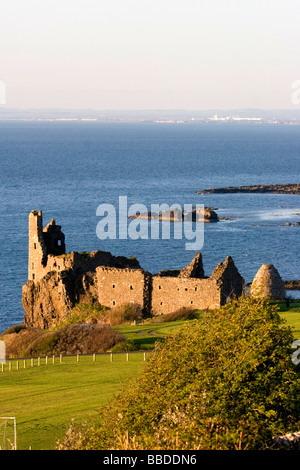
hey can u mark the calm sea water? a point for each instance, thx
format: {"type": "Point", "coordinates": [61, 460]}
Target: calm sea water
{"type": "Point", "coordinates": [68, 169]}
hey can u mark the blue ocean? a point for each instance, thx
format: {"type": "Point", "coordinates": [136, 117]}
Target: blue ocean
{"type": "Point", "coordinates": [67, 169]}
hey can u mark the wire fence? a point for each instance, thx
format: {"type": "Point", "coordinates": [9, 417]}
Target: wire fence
{"type": "Point", "coordinates": [39, 361]}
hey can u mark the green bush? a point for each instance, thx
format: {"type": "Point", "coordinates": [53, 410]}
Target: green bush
{"type": "Point", "coordinates": [226, 381]}
{"type": "Point", "coordinates": [14, 329]}
{"type": "Point", "coordinates": [125, 346]}
{"type": "Point", "coordinates": [85, 313]}
{"type": "Point", "coordinates": [180, 314]}
{"type": "Point", "coordinates": [45, 346]}
{"type": "Point", "coordinates": [70, 339]}
{"type": "Point", "coordinates": [124, 314]}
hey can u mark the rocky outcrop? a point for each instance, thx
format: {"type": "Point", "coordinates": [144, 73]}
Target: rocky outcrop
{"type": "Point", "coordinates": [292, 285]}
{"type": "Point", "coordinates": [50, 301]}
{"type": "Point", "coordinates": [289, 441]}
{"type": "Point", "coordinates": [260, 188]}
{"type": "Point", "coordinates": [201, 214]}
{"type": "Point", "coordinates": [268, 284]}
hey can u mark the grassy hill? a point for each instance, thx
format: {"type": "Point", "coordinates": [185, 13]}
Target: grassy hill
{"type": "Point", "coordinates": [44, 399]}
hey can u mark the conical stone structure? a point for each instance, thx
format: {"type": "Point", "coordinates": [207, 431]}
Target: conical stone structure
{"type": "Point", "coordinates": [268, 283]}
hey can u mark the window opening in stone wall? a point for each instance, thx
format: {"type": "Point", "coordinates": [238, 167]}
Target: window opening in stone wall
{"type": "Point", "coordinates": [34, 246]}
{"type": "Point", "coordinates": [114, 302]}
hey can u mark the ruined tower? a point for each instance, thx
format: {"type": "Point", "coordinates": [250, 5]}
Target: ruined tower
{"type": "Point", "coordinates": [42, 242]}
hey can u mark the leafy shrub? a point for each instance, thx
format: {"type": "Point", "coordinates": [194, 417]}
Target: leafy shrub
{"type": "Point", "coordinates": [180, 314]}
{"type": "Point", "coordinates": [86, 339]}
{"type": "Point", "coordinates": [22, 343]}
{"type": "Point", "coordinates": [123, 314]}
{"type": "Point", "coordinates": [70, 339]}
{"type": "Point", "coordinates": [226, 381]}
{"type": "Point", "coordinates": [45, 345]}
{"type": "Point", "coordinates": [126, 345]}
{"type": "Point", "coordinates": [86, 313]}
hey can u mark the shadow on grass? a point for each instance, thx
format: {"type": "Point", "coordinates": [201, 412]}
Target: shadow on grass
{"type": "Point", "coordinates": [283, 307]}
{"type": "Point", "coordinates": [148, 342]}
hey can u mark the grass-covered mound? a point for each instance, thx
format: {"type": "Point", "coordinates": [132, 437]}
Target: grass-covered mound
{"type": "Point", "coordinates": [223, 382]}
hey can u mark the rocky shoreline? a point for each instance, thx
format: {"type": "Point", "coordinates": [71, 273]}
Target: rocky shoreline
{"type": "Point", "coordinates": [292, 285]}
{"type": "Point", "coordinates": [262, 188]}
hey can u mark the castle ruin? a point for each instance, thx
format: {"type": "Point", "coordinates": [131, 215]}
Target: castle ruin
{"type": "Point", "coordinates": [57, 280]}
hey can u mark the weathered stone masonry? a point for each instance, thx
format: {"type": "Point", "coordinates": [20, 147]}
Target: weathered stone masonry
{"type": "Point", "coordinates": [57, 281]}
{"type": "Point", "coordinates": [167, 292]}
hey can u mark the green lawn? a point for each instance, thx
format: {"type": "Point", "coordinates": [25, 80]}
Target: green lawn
{"type": "Point", "coordinates": [146, 334]}
{"type": "Point", "coordinates": [292, 315]}
{"type": "Point", "coordinates": [45, 398]}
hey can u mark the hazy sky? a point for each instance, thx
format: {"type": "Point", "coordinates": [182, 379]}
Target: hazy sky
{"type": "Point", "coordinates": [150, 54]}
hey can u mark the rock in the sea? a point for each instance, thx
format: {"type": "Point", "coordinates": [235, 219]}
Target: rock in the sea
{"type": "Point", "coordinates": [205, 214]}
{"type": "Point", "coordinates": [202, 214]}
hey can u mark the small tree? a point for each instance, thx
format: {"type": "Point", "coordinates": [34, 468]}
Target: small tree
{"type": "Point", "coordinates": [224, 382]}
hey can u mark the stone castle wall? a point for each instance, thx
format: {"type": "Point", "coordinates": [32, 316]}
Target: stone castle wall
{"type": "Point", "coordinates": [57, 281]}
{"type": "Point", "coordinates": [121, 286]}
{"type": "Point", "coordinates": [171, 293]}
{"type": "Point", "coordinates": [154, 294]}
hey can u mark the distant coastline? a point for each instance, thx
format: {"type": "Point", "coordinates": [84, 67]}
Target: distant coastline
{"type": "Point", "coordinates": [262, 188]}
{"type": "Point", "coordinates": [156, 116]}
